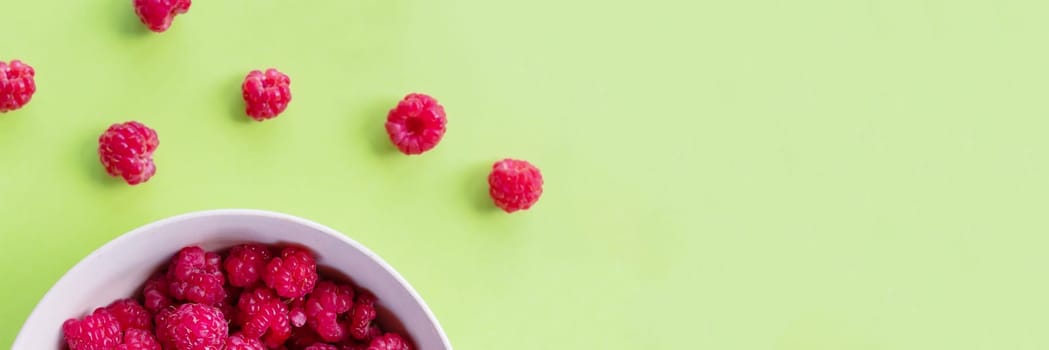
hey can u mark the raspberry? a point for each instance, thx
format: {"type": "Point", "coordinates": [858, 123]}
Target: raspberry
{"type": "Point", "coordinates": [514, 184]}
{"type": "Point", "coordinates": [192, 327]}
{"type": "Point", "coordinates": [239, 342]}
{"type": "Point", "coordinates": [16, 85]}
{"type": "Point", "coordinates": [158, 14]}
{"type": "Point", "coordinates": [98, 331]}
{"type": "Point", "coordinates": [292, 274]}
{"type": "Point", "coordinates": [362, 315]}
{"type": "Point", "coordinates": [297, 312]}
{"type": "Point", "coordinates": [138, 339]}
{"type": "Point", "coordinates": [245, 264]}
{"type": "Point", "coordinates": [262, 314]}
{"type": "Point", "coordinates": [131, 315]}
{"type": "Point", "coordinates": [321, 346]}
{"type": "Point", "coordinates": [323, 307]}
{"type": "Point", "coordinates": [126, 150]}
{"type": "Point", "coordinates": [417, 124]}
{"type": "Point", "coordinates": [195, 276]}
{"type": "Point", "coordinates": [155, 293]}
{"type": "Point", "coordinates": [266, 95]}
{"type": "Point", "coordinates": [389, 341]}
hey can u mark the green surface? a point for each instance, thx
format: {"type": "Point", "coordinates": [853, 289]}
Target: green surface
{"type": "Point", "coordinates": [754, 174]}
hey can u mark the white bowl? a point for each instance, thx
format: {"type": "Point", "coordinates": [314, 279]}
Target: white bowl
{"type": "Point", "coordinates": [118, 269]}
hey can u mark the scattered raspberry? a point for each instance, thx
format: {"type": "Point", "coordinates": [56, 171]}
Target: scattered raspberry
{"type": "Point", "coordinates": [293, 274]}
{"type": "Point", "coordinates": [16, 85]}
{"type": "Point", "coordinates": [297, 312]}
{"type": "Point", "coordinates": [246, 263]}
{"type": "Point", "coordinates": [266, 95]}
{"type": "Point", "coordinates": [362, 315]}
{"type": "Point", "coordinates": [158, 14]}
{"type": "Point", "coordinates": [239, 342]}
{"type": "Point", "coordinates": [515, 184]}
{"type": "Point", "coordinates": [138, 339]}
{"type": "Point", "coordinates": [321, 346]}
{"type": "Point", "coordinates": [131, 315]}
{"type": "Point", "coordinates": [155, 293]}
{"type": "Point", "coordinates": [417, 124]}
{"type": "Point", "coordinates": [195, 276]}
{"type": "Point", "coordinates": [389, 341]}
{"type": "Point", "coordinates": [98, 331]}
{"type": "Point", "coordinates": [192, 327]}
{"type": "Point", "coordinates": [323, 307]}
{"type": "Point", "coordinates": [126, 150]}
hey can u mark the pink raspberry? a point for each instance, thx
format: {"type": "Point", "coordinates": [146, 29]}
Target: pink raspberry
{"type": "Point", "coordinates": [251, 301]}
{"type": "Point", "coordinates": [245, 264]}
{"type": "Point", "coordinates": [323, 307]}
{"type": "Point", "coordinates": [389, 341]}
{"type": "Point", "coordinates": [192, 327]}
{"type": "Point", "coordinates": [126, 150]}
{"type": "Point", "coordinates": [155, 293]}
{"type": "Point", "coordinates": [17, 85]}
{"type": "Point", "coordinates": [515, 184]}
{"type": "Point", "coordinates": [266, 95]}
{"type": "Point", "coordinates": [361, 315]}
{"type": "Point", "coordinates": [240, 342]}
{"type": "Point", "coordinates": [293, 274]}
{"type": "Point", "coordinates": [321, 346]}
{"type": "Point", "coordinates": [158, 14]}
{"type": "Point", "coordinates": [417, 124]}
{"type": "Point", "coordinates": [131, 315]}
{"type": "Point", "coordinates": [138, 339]}
{"type": "Point", "coordinates": [98, 331]}
{"type": "Point", "coordinates": [195, 276]}
{"type": "Point", "coordinates": [263, 315]}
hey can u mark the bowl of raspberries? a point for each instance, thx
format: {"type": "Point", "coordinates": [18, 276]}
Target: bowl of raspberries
{"type": "Point", "coordinates": [232, 280]}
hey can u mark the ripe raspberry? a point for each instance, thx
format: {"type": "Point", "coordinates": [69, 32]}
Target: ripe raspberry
{"type": "Point", "coordinates": [251, 301]}
{"type": "Point", "coordinates": [155, 293]}
{"type": "Point", "coordinates": [362, 315]}
{"type": "Point", "coordinates": [245, 263]}
{"type": "Point", "coordinates": [389, 341]}
{"type": "Point", "coordinates": [98, 331]}
{"type": "Point", "coordinates": [240, 342]}
{"type": "Point", "coordinates": [323, 307]}
{"type": "Point", "coordinates": [126, 150]}
{"type": "Point", "coordinates": [263, 315]}
{"type": "Point", "coordinates": [158, 14]}
{"type": "Point", "coordinates": [297, 312]}
{"type": "Point", "coordinates": [138, 339]}
{"type": "Point", "coordinates": [266, 95]}
{"type": "Point", "coordinates": [417, 124]}
{"type": "Point", "coordinates": [131, 315]}
{"type": "Point", "coordinates": [293, 274]}
{"type": "Point", "coordinates": [192, 327]}
{"type": "Point", "coordinates": [196, 276]}
{"type": "Point", "coordinates": [514, 184]}
{"type": "Point", "coordinates": [321, 346]}
{"type": "Point", "coordinates": [16, 85]}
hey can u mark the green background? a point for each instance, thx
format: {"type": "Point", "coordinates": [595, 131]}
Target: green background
{"type": "Point", "coordinates": [749, 174]}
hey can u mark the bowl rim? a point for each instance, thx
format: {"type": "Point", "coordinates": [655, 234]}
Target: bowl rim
{"type": "Point", "coordinates": [94, 255]}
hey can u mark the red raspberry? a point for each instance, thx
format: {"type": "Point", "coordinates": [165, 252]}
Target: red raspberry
{"type": "Point", "coordinates": [266, 95]}
{"type": "Point", "coordinates": [321, 346]}
{"type": "Point", "coordinates": [514, 184]}
{"type": "Point", "coordinates": [240, 342]}
{"type": "Point", "coordinates": [196, 276]}
{"type": "Point", "coordinates": [126, 150]}
{"type": "Point", "coordinates": [417, 124]}
{"type": "Point", "coordinates": [323, 307]}
{"type": "Point", "coordinates": [251, 301]}
{"type": "Point", "coordinates": [98, 331]}
{"type": "Point", "coordinates": [16, 85]}
{"type": "Point", "coordinates": [192, 327]}
{"type": "Point", "coordinates": [263, 315]}
{"type": "Point", "coordinates": [138, 339]}
{"type": "Point", "coordinates": [158, 14]}
{"type": "Point", "coordinates": [246, 263]}
{"type": "Point", "coordinates": [389, 341]}
{"type": "Point", "coordinates": [362, 315]}
{"type": "Point", "coordinates": [297, 312]}
{"type": "Point", "coordinates": [293, 274]}
{"type": "Point", "coordinates": [131, 315]}
{"type": "Point", "coordinates": [155, 293]}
